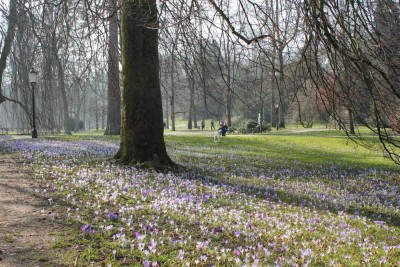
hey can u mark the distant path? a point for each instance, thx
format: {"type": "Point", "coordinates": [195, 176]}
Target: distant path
{"type": "Point", "coordinates": [305, 130]}
{"type": "Point", "coordinates": [5, 137]}
{"type": "Point", "coordinates": [26, 229]}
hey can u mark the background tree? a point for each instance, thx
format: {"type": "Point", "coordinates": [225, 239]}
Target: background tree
{"type": "Point", "coordinates": [114, 92]}
{"type": "Point", "coordinates": [7, 42]}
{"type": "Point", "coordinates": [352, 43]}
{"type": "Point", "coordinates": [169, 74]}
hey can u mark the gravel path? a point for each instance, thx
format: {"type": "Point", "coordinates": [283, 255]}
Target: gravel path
{"type": "Point", "coordinates": [26, 229]}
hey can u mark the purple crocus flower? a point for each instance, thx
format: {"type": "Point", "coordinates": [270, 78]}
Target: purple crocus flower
{"type": "Point", "coordinates": [237, 233]}
{"type": "Point", "coordinates": [113, 216]}
{"type": "Point", "coordinates": [87, 229]}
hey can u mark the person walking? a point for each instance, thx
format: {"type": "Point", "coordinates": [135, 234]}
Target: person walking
{"type": "Point", "coordinates": [212, 124]}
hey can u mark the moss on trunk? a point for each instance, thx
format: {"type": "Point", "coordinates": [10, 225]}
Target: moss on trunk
{"type": "Point", "coordinates": [142, 132]}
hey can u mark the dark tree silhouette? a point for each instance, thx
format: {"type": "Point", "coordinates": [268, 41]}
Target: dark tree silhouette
{"type": "Point", "coordinates": [142, 140]}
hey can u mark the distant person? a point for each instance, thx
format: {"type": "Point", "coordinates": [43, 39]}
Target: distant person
{"type": "Point", "coordinates": [223, 129]}
{"type": "Point", "coordinates": [212, 124]}
{"type": "Point", "coordinates": [203, 124]}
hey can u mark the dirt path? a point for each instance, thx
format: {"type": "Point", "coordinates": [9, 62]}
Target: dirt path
{"type": "Point", "coordinates": [26, 229]}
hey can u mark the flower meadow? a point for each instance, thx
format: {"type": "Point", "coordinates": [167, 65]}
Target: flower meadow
{"type": "Point", "coordinates": [222, 208]}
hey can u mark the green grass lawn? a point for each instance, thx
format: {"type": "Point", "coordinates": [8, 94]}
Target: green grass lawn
{"type": "Point", "coordinates": [318, 148]}
{"type": "Point", "coordinates": [288, 198]}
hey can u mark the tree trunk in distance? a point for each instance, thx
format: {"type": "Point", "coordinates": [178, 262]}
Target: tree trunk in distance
{"type": "Point", "coordinates": [351, 122]}
{"type": "Point", "coordinates": [173, 111]}
{"type": "Point", "coordinates": [7, 42]}
{"type": "Point", "coordinates": [61, 84]}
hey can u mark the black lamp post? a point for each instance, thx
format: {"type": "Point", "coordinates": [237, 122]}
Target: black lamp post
{"type": "Point", "coordinates": [32, 80]}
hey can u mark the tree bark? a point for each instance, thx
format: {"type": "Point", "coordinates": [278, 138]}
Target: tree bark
{"type": "Point", "coordinates": [173, 119]}
{"type": "Point", "coordinates": [228, 82]}
{"type": "Point", "coordinates": [351, 122]}
{"type": "Point", "coordinates": [142, 141]}
{"type": "Point", "coordinates": [61, 84]}
{"type": "Point", "coordinates": [8, 40]}
{"type": "Point", "coordinates": [192, 110]}
{"type": "Point", "coordinates": [173, 81]}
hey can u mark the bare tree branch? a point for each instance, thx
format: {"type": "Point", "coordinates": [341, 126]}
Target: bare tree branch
{"type": "Point", "coordinates": [232, 28]}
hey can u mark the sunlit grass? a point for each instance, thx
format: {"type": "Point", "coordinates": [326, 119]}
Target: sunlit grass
{"type": "Point", "coordinates": [279, 199]}
{"type": "Point", "coordinates": [319, 148]}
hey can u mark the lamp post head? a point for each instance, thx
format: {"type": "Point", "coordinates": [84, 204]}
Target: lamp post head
{"type": "Point", "coordinates": [276, 105]}
{"type": "Point", "coordinates": [33, 76]}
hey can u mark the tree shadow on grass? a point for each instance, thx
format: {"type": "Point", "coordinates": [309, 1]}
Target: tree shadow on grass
{"type": "Point", "coordinates": [284, 154]}
{"type": "Point", "coordinates": [298, 199]}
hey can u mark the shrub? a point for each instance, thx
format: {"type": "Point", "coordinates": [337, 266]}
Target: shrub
{"type": "Point", "coordinates": [254, 127]}
{"type": "Point", "coordinates": [267, 127]}
{"type": "Point", "coordinates": [251, 126]}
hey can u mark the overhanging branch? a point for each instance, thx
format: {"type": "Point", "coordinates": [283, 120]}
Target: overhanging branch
{"type": "Point", "coordinates": [232, 28]}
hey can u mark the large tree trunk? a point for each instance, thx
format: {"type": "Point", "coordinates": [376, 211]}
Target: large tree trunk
{"type": "Point", "coordinates": [142, 139]}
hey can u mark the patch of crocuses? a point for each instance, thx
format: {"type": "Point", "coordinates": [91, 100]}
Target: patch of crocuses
{"type": "Point", "coordinates": [223, 210]}
{"type": "Point", "coordinates": [87, 229]}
